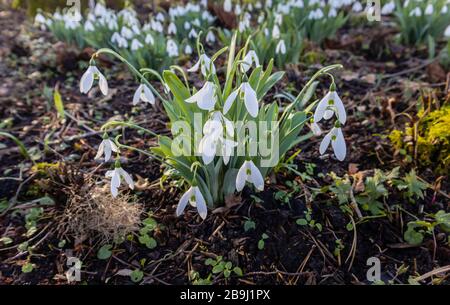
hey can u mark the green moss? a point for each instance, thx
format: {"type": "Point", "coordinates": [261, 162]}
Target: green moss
{"type": "Point", "coordinates": [432, 140]}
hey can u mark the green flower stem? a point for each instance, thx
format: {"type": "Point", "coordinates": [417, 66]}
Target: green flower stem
{"type": "Point", "coordinates": [128, 124]}
{"type": "Point", "coordinates": [131, 67]}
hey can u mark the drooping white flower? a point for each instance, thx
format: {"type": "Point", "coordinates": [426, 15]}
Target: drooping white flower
{"type": "Point", "coordinates": [336, 137]}
{"type": "Point", "coordinates": [227, 6]}
{"type": "Point", "coordinates": [447, 32]}
{"type": "Point", "coordinates": [249, 173]}
{"type": "Point", "coordinates": [388, 8]}
{"type": "Point", "coordinates": [136, 45]}
{"type": "Point", "coordinates": [172, 29]}
{"type": "Point", "coordinates": [106, 147]}
{"type": "Point", "coordinates": [116, 176]}
{"type": "Point", "coordinates": [281, 47]}
{"type": "Point", "coordinates": [250, 58]}
{"type": "Point", "coordinates": [87, 80]}
{"type": "Point", "coordinates": [187, 25]}
{"type": "Point", "coordinates": [210, 37]}
{"type": "Point", "coordinates": [357, 7]}
{"type": "Point", "coordinates": [188, 50]}
{"type": "Point", "coordinates": [214, 142]}
{"type": "Point", "coordinates": [195, 198]}
{"type": "Point", "coordinates": [126, 33]}
{"type": "Point", "coordinates": [205, 97]}
{"type": "Point", "coordinates": [276, 32]}
{"type": "Point", "coordinates": [444, 10]}
{"type": "Point", "coordinates": [249, 96]}
{"type": "Point", "coordinates": [88, 26]}
{"type": "Point", "coordinates": [193, 33]}
{"type": "Point", "coordinates": [149, 39]}
{"type": "Point", "coordinates": [429, 9]}
{"type": "Point", "coordinates": [417, 12]}
{"type": "Point", "coordinates": [315, 129]}
{"type": "Point", "coordinates": [205, 64]}
{"type": "Point", "coordinates": [143, 93]}
{"type": "Point", "coordinates": [330, 104]}
{"type": "Point", "coordinates": [172, 48]}
{"type": "Point", "coordinates": [160, 17]}
{"type": "Point", "coordinates": [332, 13]}
{"type": "Point", "coordinates": [237, 10]}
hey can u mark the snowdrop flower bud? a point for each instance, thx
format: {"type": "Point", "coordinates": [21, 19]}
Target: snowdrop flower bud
{"type": "Point", "coordinates": [332, 13]}
{"type": "Point", "coordinates": [330, 104]}
{"type": "Point", "coordinates": [89, 27]}
{"type": "Point", "coordinates": [87, 80]}
{"type": "Point", "coordinates": [106, 147]}
{"type": "Point", "coordinates": [136, 45]}
{"type": "Point", "coordinates": [143, 93]}
{"type": "Point", "coordinates": [429, 9]}
{"type": "Point", "coordinates": [172, 29]}
{"type": "Point", "coordinates": [210, 37]}
{"type": "Point", "coordinates": [126, 32]}
{"type": "Point", "coordinates": [195, 198]}
{"type": "Point", "coordinates": [444, 10]}
{"type": "Point", "coordinates": [315, 128]}
{"type": "Point", "coordinates": [160, 17]}
{"type": "Point", "coordinates": [336, 137]}
{"type": "Point", "coordinates": [357, 7]}
{"type": "Point", "coordinates": [248, 95]}
{"type": "Point", "coordinates": [276, 32]}
{"type": "Point", "coordinates": [227, 6]}
{"type": "Point", "coordinates": [249, 173]}
{"type": "Point", "coordinates": [250, 58]}
{"type": "Point", "coordinates": [193, 34]}
{"type": "Point", "coordinates": [281, 47]}
{"type": "Point", "coordinates": [417, 12]}
{"type": "Point", "coordinates": [188, 50]}
{"type": "Point", "coordinates": [205, 98]}
{"type": "Point", "coordinates": [447, 32]}
{"type": "Point", "coordinates": [237, 10]}
{"type": "Point", "coordinates": [388, 8]}
{"type": "Point", "coordinates": [116, 175]}
{"type": "Point", "coordinates": [206, 65]}
{"type": "Point", "coordinates": [187, 25]}
{"type": "Point", "coordinates": [149, 39]}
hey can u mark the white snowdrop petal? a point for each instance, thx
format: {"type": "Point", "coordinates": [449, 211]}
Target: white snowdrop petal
{"type": "Point", "coordinates": [339, 147]}
{"type": "Point", "coordinates": [107, 149]}
{"type": "Point", "coordinates": [201, 204]}
{"type": "Point", "coordinates": [250, 100]}
{"type": "Point", "coordinates": [137, 95]}
{"type": "Point", "coordinates": [325, 143]}
{"type": "Point", "coordinates": [256, 177]}
{"type": "Point", "coordinates": [341, 113]}
{"type": "Point", "coordinates": [115, 183]}
{"type": "Point", "coordinates": [127, 178]}
{"type": "Point", "coordinates": [103, 83]}
{"type": "Point", "coordinates": [241, 177]}
{"type": "Point", "coordinates": [183, 202]}
{"type": "Point", "coordinates": [149, 95]}
{"type": "Point", "coordinates": [229, 101]}
{"type": "Point", "coordinates": [100, 150]}
{"type": "Point", "coordinates": [87, 80]}
{"type": "Point", "coordinates": [328, 114]}
{"type": "Point", "coordinates": [321, 108]}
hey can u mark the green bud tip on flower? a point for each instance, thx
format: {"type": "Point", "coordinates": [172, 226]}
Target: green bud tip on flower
{"type": "Point", "coordinates": [117, 164]}
{"type": "Point", "coordinates": [333, 87]}
{"type": "Point", "coordinates": [105, 136]}
{"type": "Point", "coordinates": [331, 102]}
{"type": "Point", "coordinates": [337, 124]}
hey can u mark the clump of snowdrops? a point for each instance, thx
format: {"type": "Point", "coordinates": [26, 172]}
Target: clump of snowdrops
{"type": "Point", "coordinates": [226, 134]}
{"type": "Point", "coordinates": [155, 44]}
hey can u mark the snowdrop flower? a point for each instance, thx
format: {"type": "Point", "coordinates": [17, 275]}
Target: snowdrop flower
{"type": "Point", "coordinates": [332, 13]}
{"type": "Point", "coordinates": [388, 8]}
{"type": "Point", "coordinates": [106, 147]}
{"type": "Point", "coordinates": [126, 33]}
{"type": "Point", "coordinates": [429, 9]}
{"type": "Point", "coordinates": [193, 33]}
{"type": "Point", "coordinates": [210, 37]}
{"type": "Point", "coordinates": [116, 176]}
{"type": "Point", "coordinates": [40, 19]}
{"type": "Point", "coordinates": [249, 173]}
{"type": "Point", "coordinates": [149, 39]}
{"type": "Point", "coordinates": [206, 97]}
{"type": "Point", "coordinates": [172, 29]}
{"type": "Point", "coordinates": [250, 58]}
{"type": "Point", "coordinates": [143, 93]}
{"type": "Point", "coordinates": [281, 47]}
{"type": "Point", "coordinates": [227, 6]}
{"type": "Point", "coordinates": [417, 12]}
{"type": "Point", "coordinates": [357, 7]}
{"type": "Point", "coordinates": [447, 32]}
{"type": "Point", "coordinates": [89, 27]}
{"type": "Point", "coordinates": [336, 137]}
{"type": "Point", "coordinates": [188, 50]}
{"type": "Point", "coordinates": [187, 25]}
{"type": "Point", "coordinates": [205, 64]}
{"type": "Point", "coordinates": [100, 10]}
{"type": "Point", "coordinates": [276, 32]}
{"type": "Point", "coordinates": [444, 10]}
{"type": "Point", "coordinates": [160, 17]}
{"type": "Point", "coordinates": [333, 101]}
{"type": "Point", "coordinates": [136, 45]}
{"type": "Point", "coordinates": [195, 198]}
{"type": "Point", "coordinates": [172, 48]}
{"type": "Point", "coordinates": [237, 10]}
{"type": "Point", "coordinates": [246, 92]}
{"type": "Point", "coordinates": [87, 80]}
{"type": "Point", "coordinates": [315, 128]}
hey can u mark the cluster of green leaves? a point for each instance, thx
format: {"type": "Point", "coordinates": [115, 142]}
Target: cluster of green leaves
{"type": "Point", "coordinates": [219, 266]}
{"type": "Point", "coordinates": [145, 238]}
{"type": "Point", "coordinates": [309, 221]}
{"type": "Point", "coordinates": [418, 229]}
{"type": "Point", "coordinates": [375, 191]}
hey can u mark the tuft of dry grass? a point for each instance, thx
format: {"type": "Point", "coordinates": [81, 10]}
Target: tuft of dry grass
{"type": "Point", "coordinates": [94, 214]}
